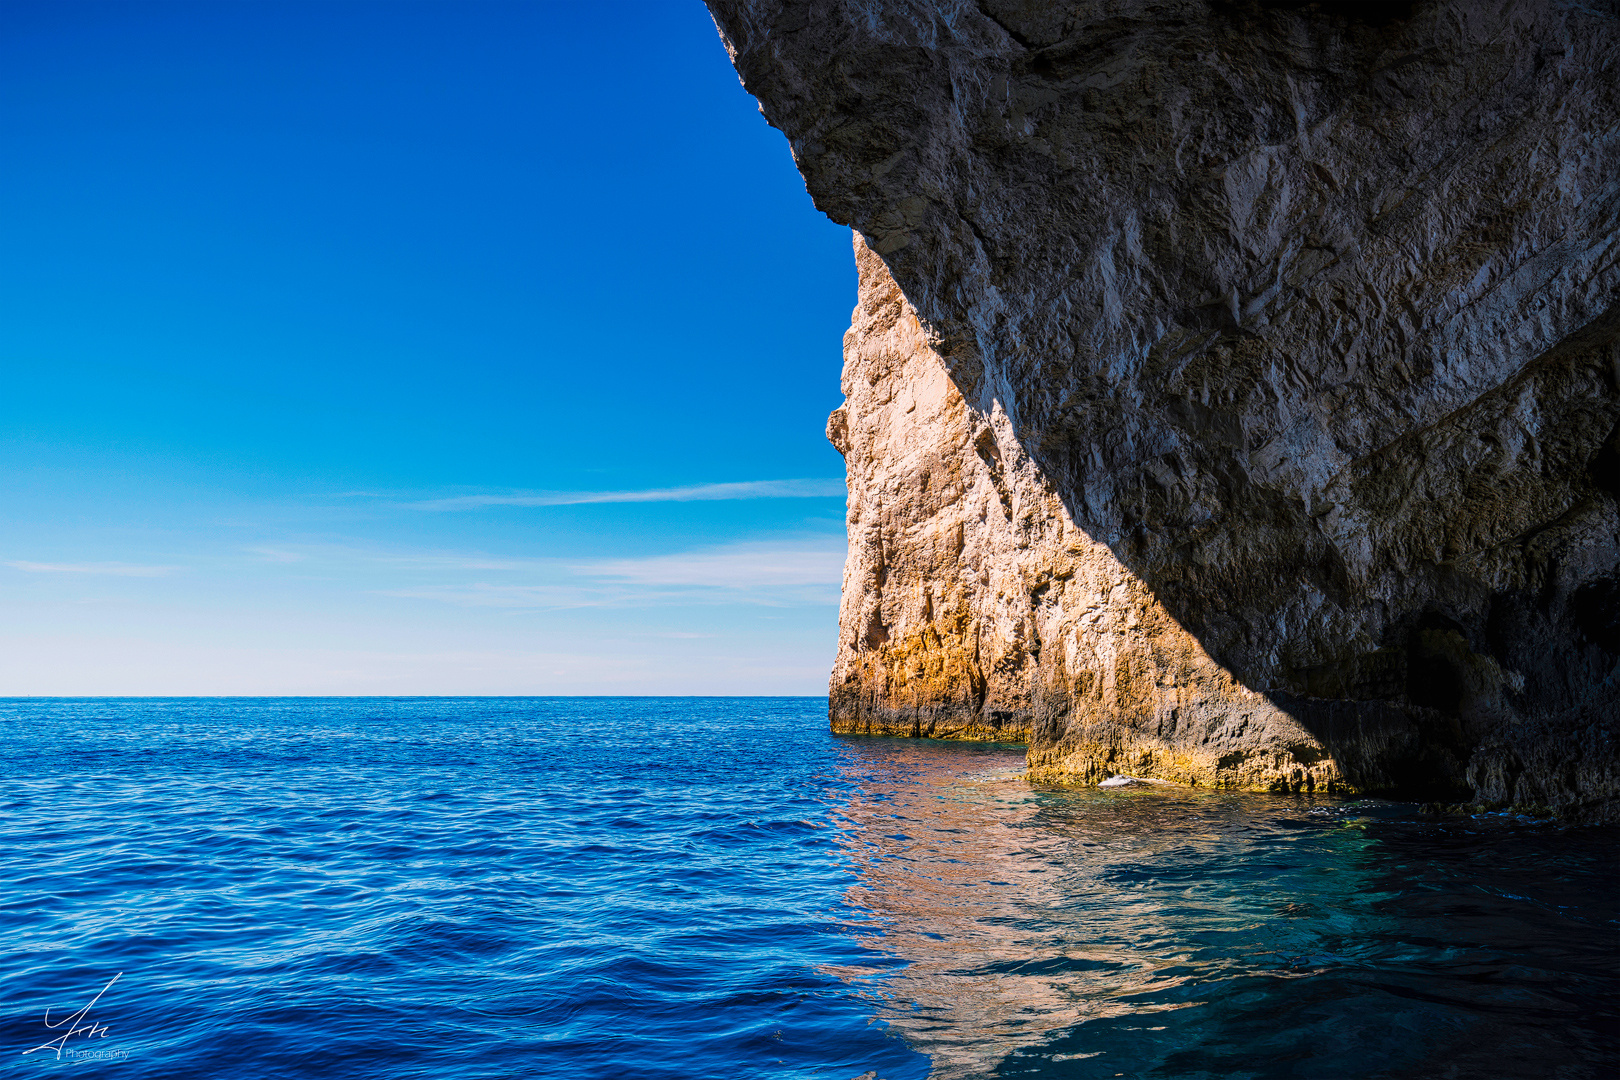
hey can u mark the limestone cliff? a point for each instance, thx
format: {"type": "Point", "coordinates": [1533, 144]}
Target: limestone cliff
{"type": "Point", "coordinates": [1234, 395]}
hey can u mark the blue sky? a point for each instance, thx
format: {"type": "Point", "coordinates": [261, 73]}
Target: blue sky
{"type": "Point", "coordinates": [408, 348]}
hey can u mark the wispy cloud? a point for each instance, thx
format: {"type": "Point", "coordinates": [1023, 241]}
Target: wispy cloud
{"type": "Point", "coordinates": [786, 572]}
{"type": "Point", "coordinates": [354, 555]}
{"type": "Point", "coordinates": [749, 489]}
{"type": "Point", "coordinates": [276, 555]}
{"type": "Point", "coordinates": [115, 569]}
{"type": "Point", "coordinates": [740, 566]}
{"type": "Point", "coordinates": [483, 594]}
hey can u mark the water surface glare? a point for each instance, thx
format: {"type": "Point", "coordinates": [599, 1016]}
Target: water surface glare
{"type": "Point", "coordinates": [650, 888]}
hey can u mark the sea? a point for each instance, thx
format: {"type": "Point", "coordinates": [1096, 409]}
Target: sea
{"type": "Point", "coordinates": [657, 888]}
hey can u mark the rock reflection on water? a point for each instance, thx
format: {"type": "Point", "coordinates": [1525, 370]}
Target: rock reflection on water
{"type": "Point", "coordinates": [1186, 933]}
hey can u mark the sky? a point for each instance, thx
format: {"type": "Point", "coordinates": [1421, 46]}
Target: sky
{"type": "Point", "coordinates": [408, 348]}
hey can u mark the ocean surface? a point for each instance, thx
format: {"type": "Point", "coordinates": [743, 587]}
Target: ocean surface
{"type": "Point", "coordinates": [650, 888]}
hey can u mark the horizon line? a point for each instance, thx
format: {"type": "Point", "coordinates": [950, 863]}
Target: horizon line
{"type": "Point", "coordinates": [376, 697]}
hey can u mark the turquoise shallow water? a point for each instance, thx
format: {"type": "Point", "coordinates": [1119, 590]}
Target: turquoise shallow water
{"type": "Point", "coordinates": [695, 888]}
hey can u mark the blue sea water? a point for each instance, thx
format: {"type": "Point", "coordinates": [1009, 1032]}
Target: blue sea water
{"type": "Point", "coordinates": [686, 888]}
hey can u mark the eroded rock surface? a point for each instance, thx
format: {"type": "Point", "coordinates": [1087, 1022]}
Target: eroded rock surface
{"type": "Point", "coordinates": [1234, 395]}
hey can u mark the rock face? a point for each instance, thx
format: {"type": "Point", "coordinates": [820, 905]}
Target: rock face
{"type": "Point", "coordinates": [1234, 395]}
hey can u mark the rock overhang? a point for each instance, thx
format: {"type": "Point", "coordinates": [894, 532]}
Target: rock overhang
{"type": "Point", "coordinates": [1294, 332]}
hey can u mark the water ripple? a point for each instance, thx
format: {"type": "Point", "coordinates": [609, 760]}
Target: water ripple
{"type": "Point", "coordinates": [691, 888]}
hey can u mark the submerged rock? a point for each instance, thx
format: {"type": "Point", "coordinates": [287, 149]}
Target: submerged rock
{"type": "Point", "coordinates": [1234, 392]}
